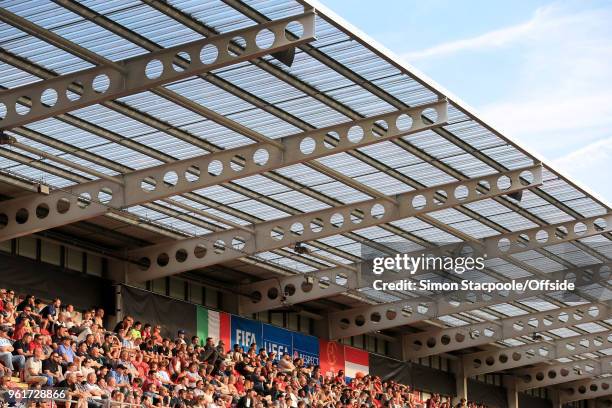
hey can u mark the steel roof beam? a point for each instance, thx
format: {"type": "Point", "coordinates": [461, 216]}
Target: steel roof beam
{"type": "Point", "coordinates": [551, 374]}
{"type": "Point", "coordinates": [439, 341]}
{"type": "Point", "coordinates": [168, 259]}
{"type": "Point", "coordinates": [266, 294]}
{"type": "Point", "coordinates": [490, 361]}
{"type": "Point", "coordinates": [533, 238]}
{"type": "Point", "coordinates": [113, 80]}
{"type": "Point", "coordinates": [290, 290]}
{"type": "Point", "coordinates": [585, 389]}
{"type": "Point", "coordinates": [182, 176]}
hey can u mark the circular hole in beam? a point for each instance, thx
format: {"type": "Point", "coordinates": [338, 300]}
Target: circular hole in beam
{"type": "Point", "coordinates": [209, 54]}
{"type": "Point", "coordinates": [265, 39]}
{"type": "Point", "coordinates": [48, 97]}
{"type": "Point", "coordinates": [101, 83]}
{"type": "Point", "coordinates": [154, 69]}
{"type": "Point", "coordinates": [22, 215]}
{"type": "Point", "coordinates": [84, 200]}
{"type": "Point", "coordinates": [261, 157]}
{"type": "Point", "coordinates": [42, 210]}
{"type": "Point", "coordinates": [23, 108]}
{"type": "Point", "coordinates": [294, 31]}
{"type": "Point", "coordinates": [74, 91]}
{"type": "Point", "coordinates": [63, 205]}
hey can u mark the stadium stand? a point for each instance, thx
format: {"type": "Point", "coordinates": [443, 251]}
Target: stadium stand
{"type": "Point", "coordinates": [53, 345]}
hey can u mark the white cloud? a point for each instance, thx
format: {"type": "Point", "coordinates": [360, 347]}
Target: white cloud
{"type": "Point", "coordinates": [553, 124]}
{"type": "Point", "coordinates": [560, 98]}
{"type": "Point", "coordinates": [591, 166]}
{"type": "Point", "coordinates": [491, 39]}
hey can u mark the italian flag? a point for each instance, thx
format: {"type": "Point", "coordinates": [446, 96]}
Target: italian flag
{"type": "Point", "coordinates": [213, 324]}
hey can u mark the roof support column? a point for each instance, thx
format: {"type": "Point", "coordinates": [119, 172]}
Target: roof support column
{"type": "Point", "coordinates": [511, 392]}
{"type": "Point", "coordinates": [461, 391]}
{"type": "Point", "coordinates": [556, 400]}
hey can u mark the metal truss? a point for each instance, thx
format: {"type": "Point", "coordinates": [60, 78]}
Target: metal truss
{"type": "Point", "coordinates": [552, 374]}
{"type": "Point", "coordinates": [445, 340]}
{"type": "Point", "coordinates": [283, 291]}
{"type": "Point", "coordinates": [534, 238]}
{"type": "Point", "coordinates": [206, 170]}
{"type": "Point", "coordinates": [525, 240]}
{"type": "Point", "coordinates": [585, 389]}
{"type": "Point", "coordinates": [171, 258]}
{"type": "Point", "coordinates": [290, 290]}
{"type": "Point", "coordinates": [117, 79]}
{"type": "Point", "coordinates": [33, 213]}
{"type": "Point", "coordinates": [369, 318]}
{"type": "Point", "coordinates": [502, 359]}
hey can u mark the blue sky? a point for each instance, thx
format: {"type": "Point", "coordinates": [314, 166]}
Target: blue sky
{"type": "Point", "coordinates": [539, 71]}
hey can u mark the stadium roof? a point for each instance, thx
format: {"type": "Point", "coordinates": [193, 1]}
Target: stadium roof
{"type": "Point", "coordinates": [111, 132]}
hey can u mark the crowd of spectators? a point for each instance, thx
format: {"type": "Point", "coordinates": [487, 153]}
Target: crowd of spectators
{"type": "Point", "coordinates": [52, 345]}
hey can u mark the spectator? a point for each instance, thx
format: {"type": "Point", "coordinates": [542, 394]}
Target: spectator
{"type": "Point", "coordinates": [93, 388]}
{"type": "Point", "coordinates": [135, 331]}
{"type": "Point", "coordinates": [11, 361]}
{"type": "Point", "coordinates": [34, 371]}
{"type": "Point", "coordinates": [24, 322]}
{"type": "Point", "coordinates": [2, 299]}
{"type": "Point", "coordinates": [125, 324]}
{"type": "Point", "coordinates": [52, 369]}
{"type": "Point", "coordinates": [29, 300]}
{"type": "Point", "coordinates": [22, 346]}
{"type": "Point", "coordinates": [462, 403]}
{"type": "Point", "coordinates": [10, 299]}
{"type": "Point", "coordinates": [9, 313]}
{"type": "Point", "coordinates": [210, 352]}
{"type": "Point", "coordinates": [286, 364]}
{"type": "Point", "coordinates": [156, 335]}
{"type": "Point", "coordinates": [99, 317]}
{"type": "Point", "coordinates": [119, 375]}
{"type": "Point", "coordinates": [180, 337]}
{"type": "Point", "coordinates": [66, 351]}
{"type": "Point", "coordinates": [52, 310]}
